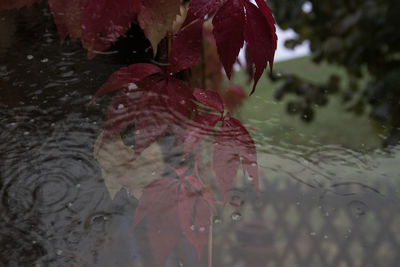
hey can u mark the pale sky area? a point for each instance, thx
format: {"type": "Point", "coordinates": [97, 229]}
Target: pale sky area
{"type": "Point", "coordinates": [282, 53]}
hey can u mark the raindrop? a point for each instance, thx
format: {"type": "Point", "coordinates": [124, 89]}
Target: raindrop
{"type": "Point", "coordinates": [153, 173]}
{"type": "Point", "coordinates": [69, 204]}
{"type": "Point", "coordinates": [44, 60]}
{"type": "Point", "coordinates": [26, 133]}
{"type": "Point", "coordinates": [325, 236]}
{"type": "Point", "coordinates": [120, 106]}
{"type": "Point", "coordinates": [78, 185]}
{"type": "Point", "coordinates": [358, 208]}
{"type": "Point", "coordinates": [217, 220]}
{"type": "Point", "coordinates": [29, 57]}
{"type": "Point", "coordinates": [132, 86]}
{"type": "Point", "coordinates": [254, 164]}
{"type": "Point", "coordinates": [59, 252]}
{"type": "Point", "coordinates": [182, 102]}
{"type": "Point", "coordinates": [250, 178]}
{"type": "Point", "coordinates": [202, 229]}
{"type": "Point", "coordinates": [236, 216]}
{"type": "Point", "coordinates": [192, 227]}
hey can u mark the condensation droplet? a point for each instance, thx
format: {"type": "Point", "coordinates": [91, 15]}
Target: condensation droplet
{"type": "Point", "coordinates": [236, 216]}
{"type": "Point", "coordinates": [217, 220]}
{"type": "Point", "coordinates": [132, 86]}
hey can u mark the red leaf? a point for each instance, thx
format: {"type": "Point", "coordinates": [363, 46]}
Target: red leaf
{"type": "Point", "coordinates": [127, 105]}
{"type": "Point", "coordinates": [260, 39]}
{"type": "Point", "coordinates": [200, 8]}
{"type": "Point", "coordinates": [201, 127]}
{"type": "Point", "coordinates": [163, 229]}
{"type": "Point", "coordinates": [226, 160]}
{"type": "Point", "coordinates": [103, 21]}
{"type": "Point", "coordinates": [247, 151]}
{"type": "Point", "coordinates": [67, 16]}
{"type": "Point", "coordinates": [125, 77]}
{"type": "Point", "coordinates": [233, 96]}
{"type": "Point", "coordinates": [209, 98]}
{"type": "Point", "coordinates": [186, 48]}
{"type": "Point", "coordinates": [194, 216]}
{"type": "Point", "coordinates": [150, 124]}
{"type": "Point", "coordinates": [10, 4]}
{"type": "Point", "coordinates": [270, 19]}
{"type": "Point", "coordinates": [179, 99]}
{"type": "Point", "coordinates": [228, 30]}
{"type": "Point", "coordinates": [152, 195]}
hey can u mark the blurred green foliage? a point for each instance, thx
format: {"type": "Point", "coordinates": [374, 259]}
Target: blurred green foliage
{"type": "Point", "coordinates": [363, 37]}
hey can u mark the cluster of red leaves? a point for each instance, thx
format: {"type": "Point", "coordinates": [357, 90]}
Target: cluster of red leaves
{"type": "Point", "coordinates": [157, 102]}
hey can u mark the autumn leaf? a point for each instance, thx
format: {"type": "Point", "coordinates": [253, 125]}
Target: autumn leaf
{"type": "Point", "coordinates": [202, 126]}
{"type": "Point", "coordinates": [156, 19]}
{"type": "Point", "coordinates": [67, 17]}
{"type": "Point", "coordinates": [186, 48]}
{"type": "Point", "coordinates": [247, 151]}
{"type": "Point", "coordinates": [233, 97]}
{"type": "Point", "coordinates": [104, 21]}
{"type": "Point", "coordinates": [228, 31]}
{"type": "Point", "coordinates": [238, 21]}
{"type": "Point", "coordinates": [200, 8]}
{"type": "Point", "coordinates": [120, 171]}
{"type": "Point", "coordinates": [194, 214]}
{"type": "Point", "coordinates": [209, 98]}
{"type": "Point", "coordinates": [261, 46]}
{"type": "Point", "coordinates": [226, 159]}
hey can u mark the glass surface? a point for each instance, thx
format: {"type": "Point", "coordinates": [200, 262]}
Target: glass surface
{"type": "Point", "coordinates": [329, 192]}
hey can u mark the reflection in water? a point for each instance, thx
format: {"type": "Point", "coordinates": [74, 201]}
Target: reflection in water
{"type": "Point", "coordinates": [321, 205]}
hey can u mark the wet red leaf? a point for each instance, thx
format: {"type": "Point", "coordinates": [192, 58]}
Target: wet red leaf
{"type": "Point", "coordinates": [67, 17]}
{"type": "Point", "coordinates": [103, 21]}
{"type": "Point", "coordinates": [194, 215]}
{"type": "Point", "coordinates": [186, 48]}
{"type": "Point", "coordinates": [126, 77]}
{"type": "Point", "coordinates": [209, 98]}
{"type": "Point", "coordinates": [201, 127]}
{"type": "Point", "coordinates": [226, 160]}
{"type": "Point", "coordinates": [228, 31]}
{"type": "Point", "coordinates": [247, 151]}
{"type": "Point", "coordinates": [238, 21]}
{"type": "Point", "coordinates": [233, 97]}
{"type": "Point", "coordinates": [259, 36]}
{"type": "Point", "coordinates": [200, 8]}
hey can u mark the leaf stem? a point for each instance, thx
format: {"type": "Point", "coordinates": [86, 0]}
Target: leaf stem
{"type": "Point", "coordinates": [210, 242]}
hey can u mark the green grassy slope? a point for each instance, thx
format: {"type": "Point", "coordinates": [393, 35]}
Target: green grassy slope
{"type": "Point", "coordinates": [331, 125]}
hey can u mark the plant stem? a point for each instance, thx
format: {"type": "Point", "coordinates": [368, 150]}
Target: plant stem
{"type": "Point", "coordinates": [210, 242]}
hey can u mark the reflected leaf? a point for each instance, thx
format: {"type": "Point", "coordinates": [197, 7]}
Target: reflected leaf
{"type": "Point", "coordinates": [119, 170]}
